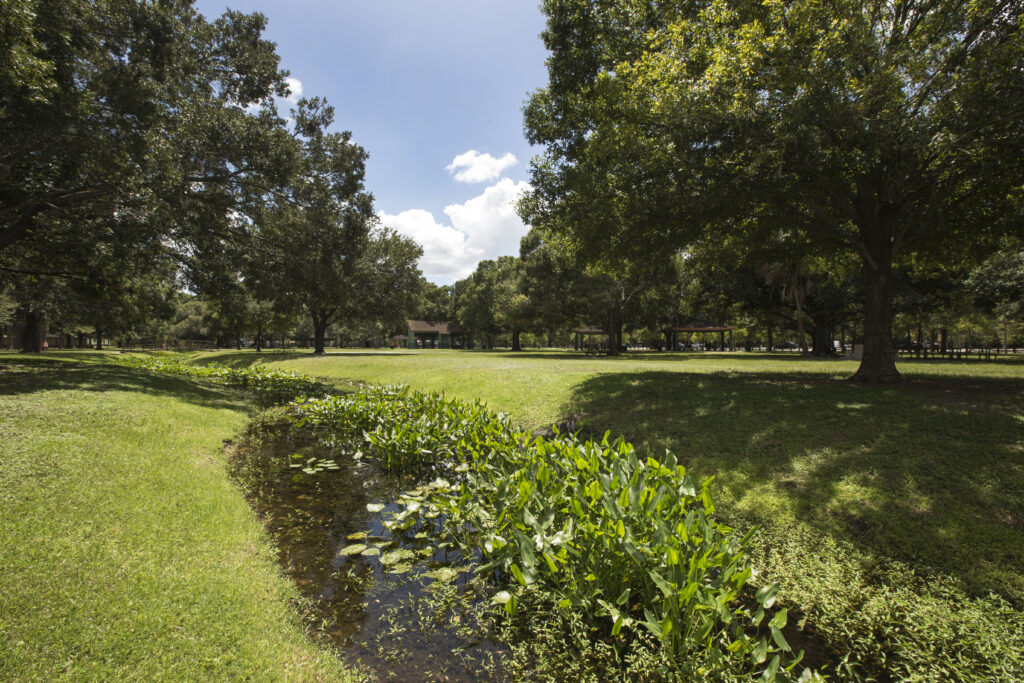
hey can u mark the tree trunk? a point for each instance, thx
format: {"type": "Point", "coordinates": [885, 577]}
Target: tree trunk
{"type": "Point", "coordinates": [613, 326]}
{"type": "Point", "coordinates": [319, 331]}
{"type": "Point", "coordinates": [515, 339]}
{"type": "Point", "coordinates": [31, 340]}
{"type": "Point", "coordinates": [770, 338]}
{"type": "Point", "coordinates": [99, 339]}
{"type": "Point", "coordinates": [879, 362]}
{"type": "Point", "coordinates": [823, 345]}
{"type": "Point", "coordinates": [259, 337]}
{"type": "Point", "coordinates": [800, 321]}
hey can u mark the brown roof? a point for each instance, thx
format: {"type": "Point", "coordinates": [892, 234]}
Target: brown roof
{"type": "Point", "coordinates": [426, 326]}
{"type": "Point", "coordinates": [432, 326]}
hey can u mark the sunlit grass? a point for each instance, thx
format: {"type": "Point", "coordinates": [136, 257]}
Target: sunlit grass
{"type": "Point", "coordinates": [127, 552]}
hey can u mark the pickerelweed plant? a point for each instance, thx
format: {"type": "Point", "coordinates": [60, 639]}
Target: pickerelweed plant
{"type": "Point", "coordinates": [627, 541]}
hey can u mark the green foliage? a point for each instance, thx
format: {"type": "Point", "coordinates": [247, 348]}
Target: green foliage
{"type": "Point", "coordinates": [591, 527]}
{"type": "Point", "coordinates": [130, 117]}
{"type": "Point", "coordinates": [916, 625]}
{"type": "Point", "coordinates": [998, 283]}
{"type": "Point", "coordinates": [884, 131]}
{"type": "Point", "coordinates": [407, 431]}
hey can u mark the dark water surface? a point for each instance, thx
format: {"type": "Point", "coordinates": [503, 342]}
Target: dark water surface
{"type": "Point", "coordinates": [401, 614]}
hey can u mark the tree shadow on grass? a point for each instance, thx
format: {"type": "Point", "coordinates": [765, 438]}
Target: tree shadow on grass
{"type": "Point", "coordinates": [930, 474]}
{"type": "Point", "coordinates": [246, 359]}
{"type": "Point", "coordinates": [33, 374]}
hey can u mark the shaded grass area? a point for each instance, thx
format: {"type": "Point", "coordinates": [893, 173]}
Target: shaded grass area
{"type": "Point", "coordinates": [127, 552]}
{"type": "Point", "coordinates": [928, 474]}
{"type": "Point", "coordinates": [893, 516]}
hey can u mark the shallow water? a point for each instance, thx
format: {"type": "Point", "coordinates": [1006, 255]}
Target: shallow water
{"type": "Point", "coordinates": [382, 616]}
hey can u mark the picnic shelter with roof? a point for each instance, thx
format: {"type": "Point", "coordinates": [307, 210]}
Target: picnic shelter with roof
{"type": "Point", "coordinates": [429, 334]}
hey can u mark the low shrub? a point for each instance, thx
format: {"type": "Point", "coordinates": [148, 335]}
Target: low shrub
{"type": "Point", "coordinates": [888, 620]}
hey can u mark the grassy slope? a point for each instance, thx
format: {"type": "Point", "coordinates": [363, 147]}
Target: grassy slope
{"type": "Point", "coordinates": [861, 489]}
{"type": "Point", "coordinates": [126, 552]}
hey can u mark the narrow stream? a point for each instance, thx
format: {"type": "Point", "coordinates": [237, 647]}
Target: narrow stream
{"type": "Point", "coordinates": [400, 610]}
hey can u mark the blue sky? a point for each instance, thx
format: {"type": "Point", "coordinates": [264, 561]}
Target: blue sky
{"type": "Point", "coordinates": [433, 89]}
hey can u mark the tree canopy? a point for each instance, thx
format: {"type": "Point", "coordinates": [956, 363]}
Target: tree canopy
{"type": "Point", "coordinates": [887, 130]}
{"type": "Point", "coordinates": [128, 112]}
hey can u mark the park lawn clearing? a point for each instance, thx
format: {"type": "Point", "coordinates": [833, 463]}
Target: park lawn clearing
{"type": "Point", "coordinates": [127, 552]}
{"type": "Point", "coordinates": [893, 516]}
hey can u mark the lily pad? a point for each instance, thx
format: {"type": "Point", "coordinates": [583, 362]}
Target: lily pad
{"type": "Point", "coordinates": [400, 568]}
{"type": "Point", "coordinates": [375, 507]}
{"type": "Point", "coordinates": [358, 536]}
{"type": "Point", "coordinates": [442, 574]}
{"type": "Point", "coordinates": [354, 549]}
{"type": "Point", "coordinates": [397, 556]}
{"type": "Point", "coordinates": [370, 551]}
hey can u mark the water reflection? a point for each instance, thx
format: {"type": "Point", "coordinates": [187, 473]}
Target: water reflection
{"type": "Point", "coordinates": [402, 610]}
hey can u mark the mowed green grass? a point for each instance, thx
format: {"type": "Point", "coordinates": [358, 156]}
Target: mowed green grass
{"type": "Point", "coordinates": [893, 516]}
{"type": "Point", "coordinates": [126, 554]}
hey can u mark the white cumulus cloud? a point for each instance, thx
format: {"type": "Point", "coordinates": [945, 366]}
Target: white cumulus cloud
{"type": "Point", "coordinates": [474, 167]}
{"type": "Point", "coordinates": [484, 227]}
{"type": "Point", "coordinates": [295, 85]}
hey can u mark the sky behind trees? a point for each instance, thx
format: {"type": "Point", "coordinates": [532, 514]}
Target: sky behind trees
{"type": "Point", "coordinates": [434, 92]}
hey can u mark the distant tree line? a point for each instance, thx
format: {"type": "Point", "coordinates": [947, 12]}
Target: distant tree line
{"type": "Point", "coordinates": [545, 294]}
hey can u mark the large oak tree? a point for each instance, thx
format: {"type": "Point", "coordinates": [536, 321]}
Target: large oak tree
{"type": "Point", "coordinates": [888, 129]}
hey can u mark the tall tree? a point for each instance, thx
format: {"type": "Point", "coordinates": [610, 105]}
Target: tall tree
{"type": "Point", "coordinates": [386, 282]}
{"type": "Point", "coordinates": [476, 307]}
{"type": "Point", "coordinates": [513, 309]}
{"type": "Point", "coordinates": [884, 129]}
{"type": "Point", "coordinates": [309, 241]}
{"type": "Point", "coordinates": [437, 302]}
{"type": "Point", "coordinates": [127, 109]}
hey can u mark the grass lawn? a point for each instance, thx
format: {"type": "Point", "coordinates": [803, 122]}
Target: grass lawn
{"type": "Point", "coordinates": [126, 554]}
{"type": "Point", "coordinates": [893, 516]}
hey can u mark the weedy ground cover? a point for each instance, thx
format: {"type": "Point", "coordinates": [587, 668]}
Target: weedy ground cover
{"type": "Point", "coordinates": [127, 553]}
{"type": "Point", "coordinates": [892, 516]}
